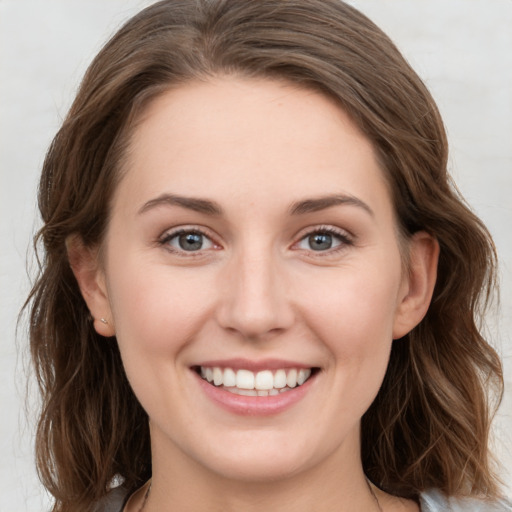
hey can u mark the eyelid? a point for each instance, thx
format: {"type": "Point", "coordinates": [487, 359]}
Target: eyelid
{"type": "Point", "coordinates": [346, 238]}
{"type": "Point", "coordinates": [171, 233]}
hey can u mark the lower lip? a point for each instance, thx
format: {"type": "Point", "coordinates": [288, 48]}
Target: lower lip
{"type": "Point", "coordinates": [254, 405]}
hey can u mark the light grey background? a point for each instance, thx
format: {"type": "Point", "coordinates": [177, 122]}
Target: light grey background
{"type": "Point", "coordinates": [461, 48]}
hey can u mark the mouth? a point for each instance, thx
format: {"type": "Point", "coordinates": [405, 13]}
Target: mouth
{"type": "Point", "coordinates": [261, 383]}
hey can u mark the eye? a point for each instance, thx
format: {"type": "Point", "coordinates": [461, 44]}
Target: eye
{"type": "Point", "coordinates": [190, 240]}
{"type": "Point", "coordinates": [323, 240]}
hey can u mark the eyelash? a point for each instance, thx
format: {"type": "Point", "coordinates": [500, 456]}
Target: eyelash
{"type": "Point", "coordinates": [192, 230]}
{"type": "Point", "coordinates": [345, 240]}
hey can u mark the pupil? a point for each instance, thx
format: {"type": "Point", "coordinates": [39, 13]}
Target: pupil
{"type": "Point", "coordinates": [320, 241]}
{"type": "Point", "coordinates": [191, 241]}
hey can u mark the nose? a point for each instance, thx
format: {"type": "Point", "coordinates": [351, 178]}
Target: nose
{"type": "Point", "coordinates": [254, 297]}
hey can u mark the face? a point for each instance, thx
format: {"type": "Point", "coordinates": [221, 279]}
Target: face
{"type": "Point", "coordinates": [252, 275]}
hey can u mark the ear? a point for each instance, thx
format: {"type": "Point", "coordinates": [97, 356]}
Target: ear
{"type": "Point", "coordinates": [85, 265]}
{"type": "Point", "coordinates": [418, 285]}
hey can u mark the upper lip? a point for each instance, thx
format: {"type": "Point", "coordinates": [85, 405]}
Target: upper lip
{"type": "Point", "coordinates": [253, 365]}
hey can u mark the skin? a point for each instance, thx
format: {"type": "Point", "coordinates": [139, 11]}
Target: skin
{"type": "Point", "coordinates": [255, 290]}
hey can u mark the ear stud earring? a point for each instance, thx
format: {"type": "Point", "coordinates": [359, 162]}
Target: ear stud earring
{"type": "Point", "coordinates": [104, 321]}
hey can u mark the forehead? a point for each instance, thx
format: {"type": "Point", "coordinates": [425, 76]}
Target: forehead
{"type": "Point", "coordinates": [252, 138]}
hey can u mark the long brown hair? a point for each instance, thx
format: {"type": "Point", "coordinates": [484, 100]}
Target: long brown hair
{"type": "Point", "coordinates": [429, 424]}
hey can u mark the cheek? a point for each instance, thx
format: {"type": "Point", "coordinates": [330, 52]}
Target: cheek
{"type": "Point", "coordinates": [155, 309]}
{"type": "Point", "coordinates": [355, 324]}
{"type": "Point", "coordinates": [352, 310]}
{"type": "Point", "coordinates": [157, 313]}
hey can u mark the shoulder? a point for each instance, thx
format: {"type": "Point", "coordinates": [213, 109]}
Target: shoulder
{"type": "Point", "coordinates": [113, 502]}
{"type": "Point", "coordinates": [435, 501]}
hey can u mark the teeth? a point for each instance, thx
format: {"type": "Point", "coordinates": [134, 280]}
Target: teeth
{"type": "Point", "coordinates": [279, 379]}
{"type": "Point", "coordinates": [291, 378]}
{"type": "Point", "coordinates": [262, 383]}
{"type": "Point", "coordinates": [229, 379]}
{"type": "Point", "coordinates": [247, 392]}
{"type": "Point", "coordinates": [264, 380]}
{"type": "Point", "coordinates": [217, 376]}
{"type": "Point", "coordinates": [244, 379]}
{"type": "Point", "coordinates": [303, 375]}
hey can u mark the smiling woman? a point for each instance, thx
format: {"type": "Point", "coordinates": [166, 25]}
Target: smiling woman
{"type": "Point", "coordinates": [262, 281]}
{"type": "Point", "coordinates": [251, 295]}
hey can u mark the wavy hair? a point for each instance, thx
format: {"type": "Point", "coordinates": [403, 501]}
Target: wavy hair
{"type": "Point", "coordinates": [429, 425]}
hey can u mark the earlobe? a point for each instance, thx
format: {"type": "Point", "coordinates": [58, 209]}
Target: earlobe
{"type": "Point", "coordinates": [91, 281]}
{"type": "Point", "coordinates": [419, 283]}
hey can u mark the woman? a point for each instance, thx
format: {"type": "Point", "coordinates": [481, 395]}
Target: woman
{"type": "Point", "coordinates": [252, 292]}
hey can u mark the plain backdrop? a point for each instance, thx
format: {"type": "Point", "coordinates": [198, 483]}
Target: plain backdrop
{"type": "Point", "coordinates": [461, 48]}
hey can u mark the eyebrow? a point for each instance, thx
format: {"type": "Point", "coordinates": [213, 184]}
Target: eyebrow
{"type": "Point", "coordinates": [191, 203]}
{"type": "Point", "coordinates": [298, 208]}
{"type": "Point", "coordinates": [324, 202]}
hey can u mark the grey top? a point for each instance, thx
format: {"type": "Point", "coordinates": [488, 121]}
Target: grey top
{"type": "Point", "coordinates": [431, 501]}
{"type": "Point", "coordinates": [434, 501]}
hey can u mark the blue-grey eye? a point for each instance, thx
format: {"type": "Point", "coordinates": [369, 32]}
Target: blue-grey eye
{"type": "Point", "coordinates": [190, 241]}
{"type": "Point", "coordinates": [320, 241]}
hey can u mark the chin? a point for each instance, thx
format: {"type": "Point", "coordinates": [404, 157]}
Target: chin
{"type": "Point", "coordinates": [260, 457]}
{"type": "Point", "coordinates": [262, 470]}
